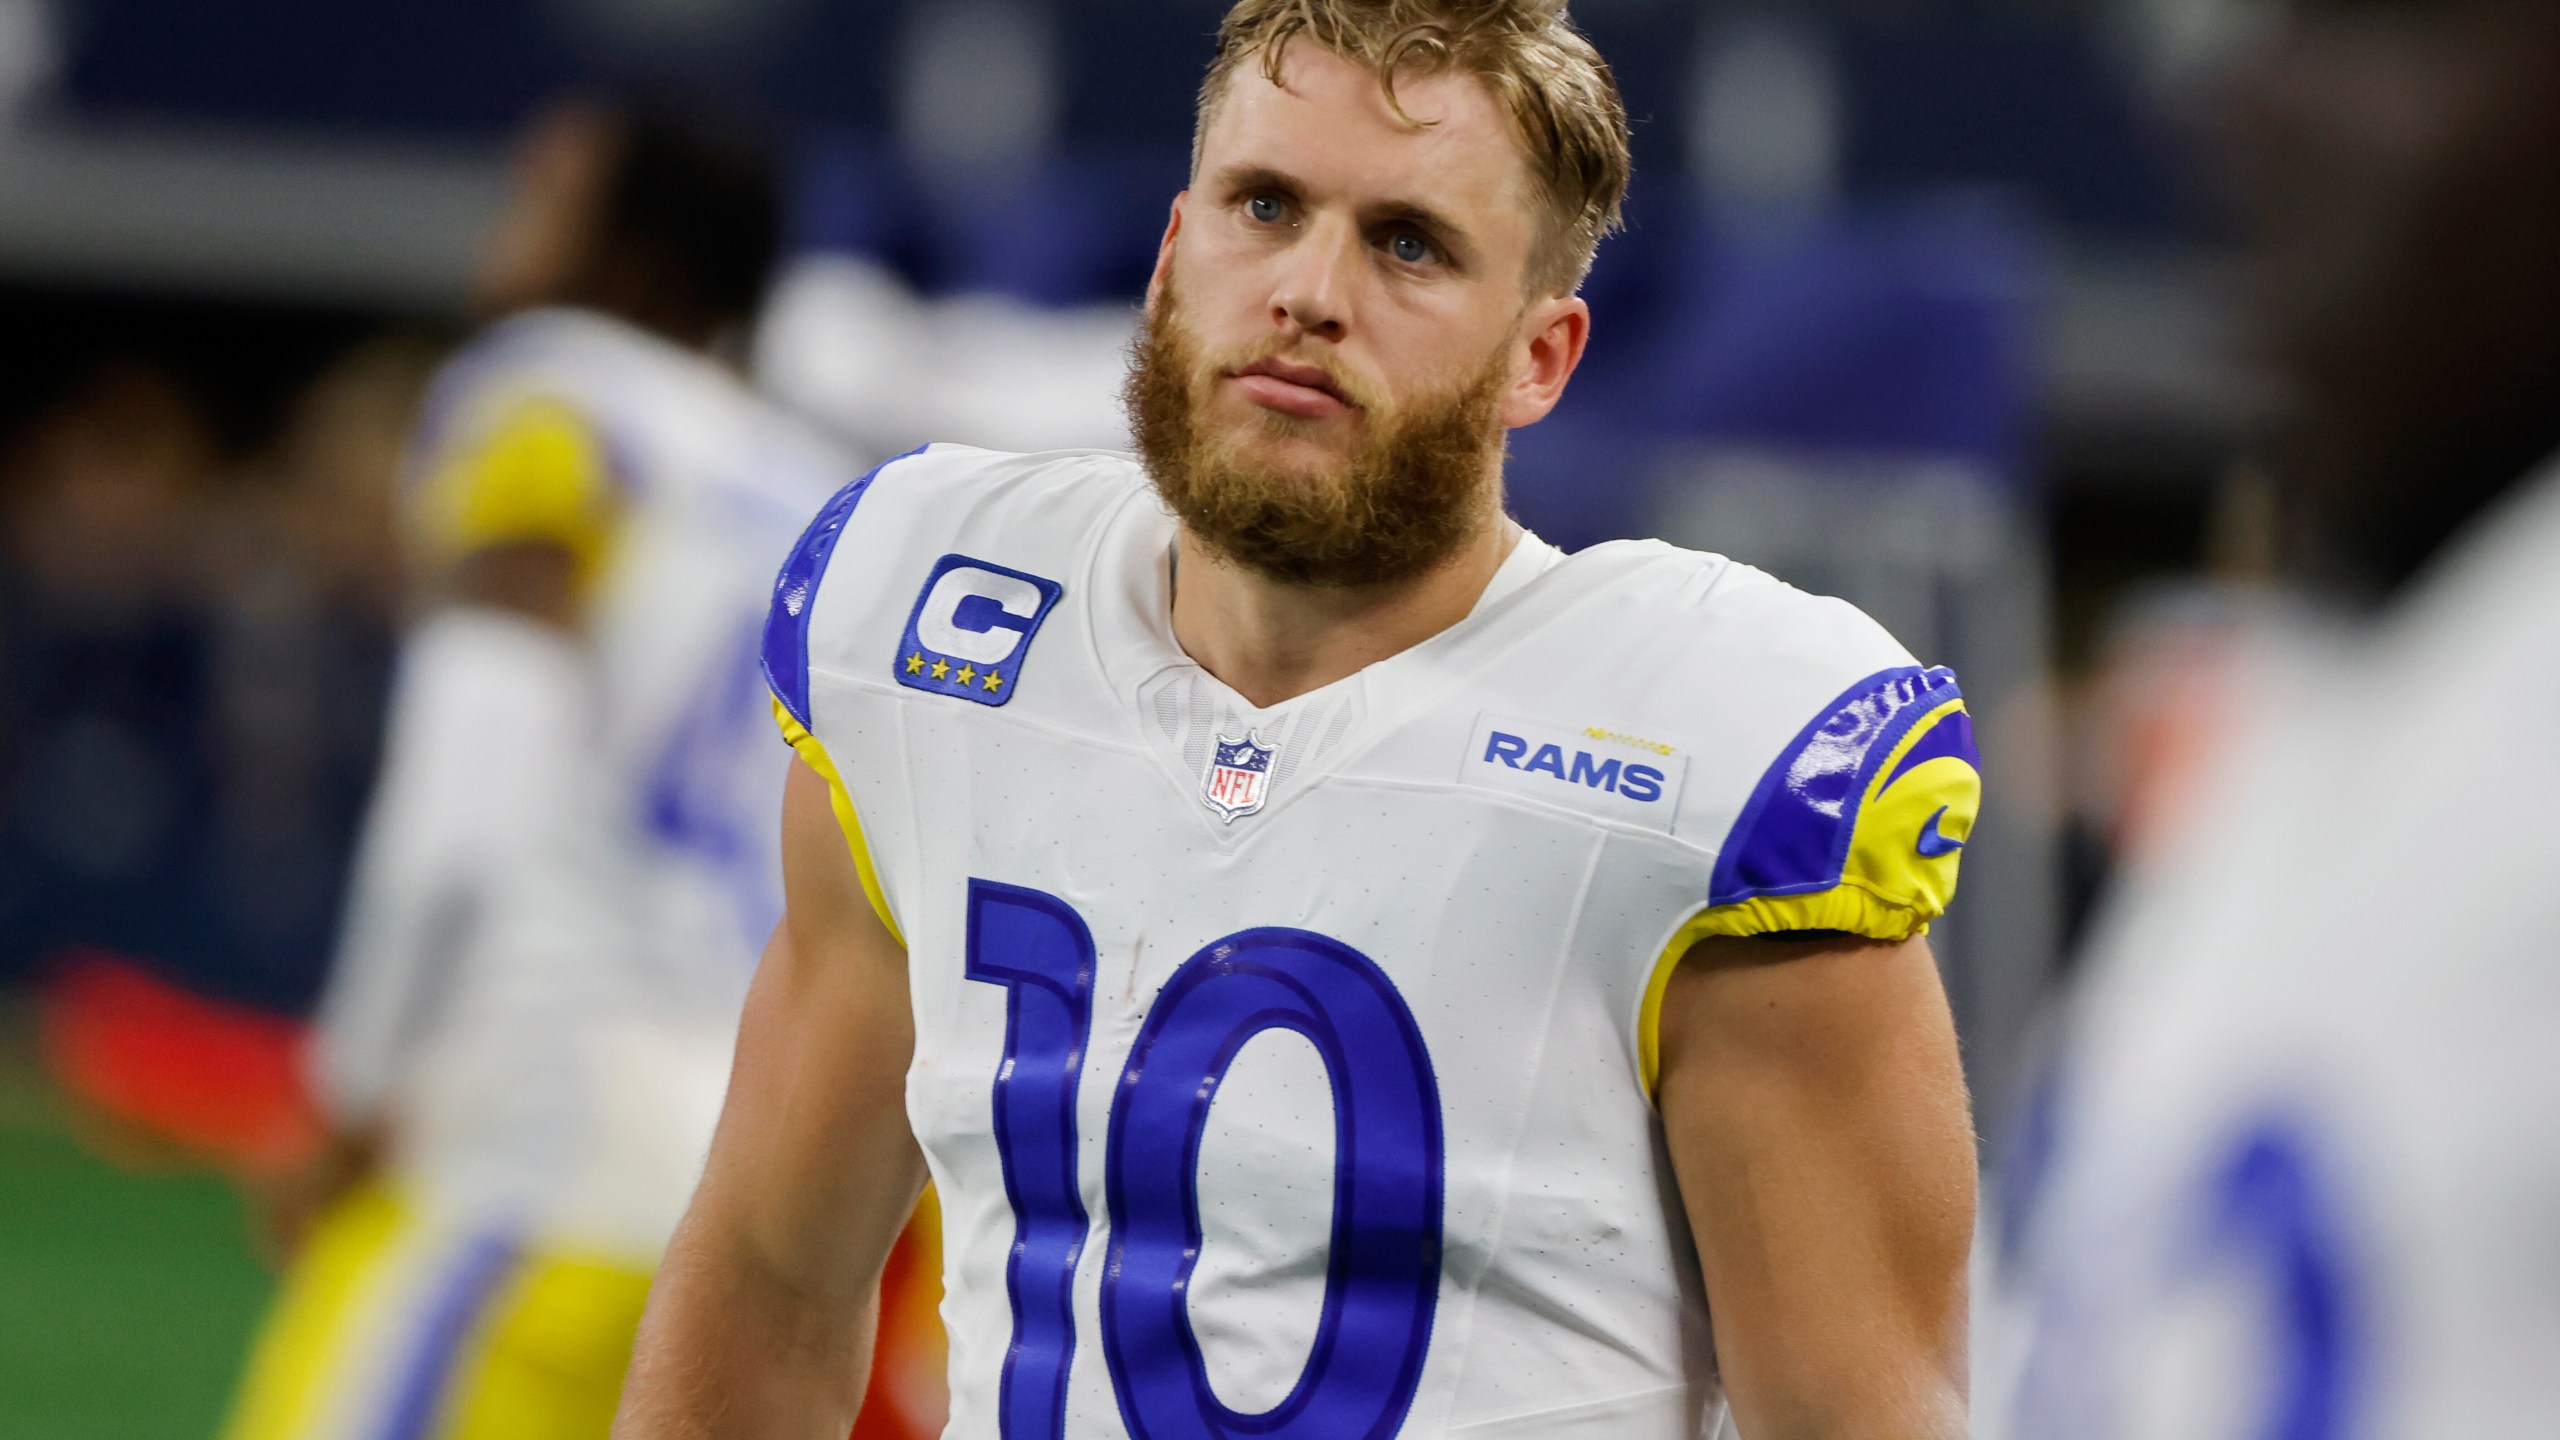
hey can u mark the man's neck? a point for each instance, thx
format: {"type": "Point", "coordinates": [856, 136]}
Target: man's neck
{"type": "Point", "coordinates": [1271, 641]}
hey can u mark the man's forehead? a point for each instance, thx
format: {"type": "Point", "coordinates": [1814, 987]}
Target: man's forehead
{"type": "Point", "coordinates": [1330, 121]}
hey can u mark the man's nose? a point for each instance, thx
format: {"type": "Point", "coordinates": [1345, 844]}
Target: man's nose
{"type": "Point", "coordinates": [1313, 293]}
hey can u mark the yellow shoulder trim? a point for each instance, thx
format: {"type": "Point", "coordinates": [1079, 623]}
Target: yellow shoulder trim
{"type": "Point", "coordinates": [539, 472]}
{"type": "Point", "coordinates": [1911, 739]}
{"type": "Point", "coordinates": [1908, 843]}
{"type": "Point", "coordinates": [1649, 1016]}
{"type": "Point", "coordinates": [814, 755]}
{"type": "Point", "coordinates": [1846, 908]}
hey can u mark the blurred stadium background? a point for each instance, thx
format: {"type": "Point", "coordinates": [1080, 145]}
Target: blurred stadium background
{"type": "Point", "coordinates": [1919, 306]}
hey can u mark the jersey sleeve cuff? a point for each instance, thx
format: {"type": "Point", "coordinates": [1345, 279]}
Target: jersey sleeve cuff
{"type": "Point", "coordinates": [1844, 908]}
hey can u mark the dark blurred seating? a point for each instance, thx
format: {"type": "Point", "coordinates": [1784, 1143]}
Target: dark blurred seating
{"type": "Point", "coordinates": [194, 620]}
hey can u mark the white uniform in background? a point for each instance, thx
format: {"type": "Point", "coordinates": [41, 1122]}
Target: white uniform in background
{"type": "Point", "coordinates": [2294, 1173]}
{"type": "Point", "coordinates": [568, 873]}
{"type": "Point", "coordinates": [1352, 997]}
{"type": "Point", "coordinates": [844, 340]}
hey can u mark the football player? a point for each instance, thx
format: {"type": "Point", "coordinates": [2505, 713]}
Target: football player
{"type": "Point", "coordinates": [1348, 968]}
{"type": "Point", "coordinates": [2292, 1175]}
{"type": "Point", "coordinates": [569, 867]}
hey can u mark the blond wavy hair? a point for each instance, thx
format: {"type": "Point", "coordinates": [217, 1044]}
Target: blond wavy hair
{"type": "Point", "coordinates": [1556, 88]}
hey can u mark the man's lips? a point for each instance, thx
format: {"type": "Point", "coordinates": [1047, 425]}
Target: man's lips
{"type": "Point", "coordinates": [1305, 391]}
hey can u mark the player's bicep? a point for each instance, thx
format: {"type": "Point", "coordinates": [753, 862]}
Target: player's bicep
{"type": "Point", "coordinates": [815, 1168]}
{"type": "Point", "coordinates": [1814, 1106]}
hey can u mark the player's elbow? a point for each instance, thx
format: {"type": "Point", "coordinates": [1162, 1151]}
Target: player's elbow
{"type": "Point", "coordinates": [1917, 1403]}
{"type": "Point", "coordinates": [797, 1301]}
{"type": "Point", "coordinates": [729, 1333]}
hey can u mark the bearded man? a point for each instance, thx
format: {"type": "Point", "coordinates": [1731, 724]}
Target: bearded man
{"type": "Point", "coordinates": [1348, 969]}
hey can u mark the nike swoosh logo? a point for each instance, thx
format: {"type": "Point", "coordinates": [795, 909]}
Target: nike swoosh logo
{"type": "Point", "coordinates": [1932, 844]}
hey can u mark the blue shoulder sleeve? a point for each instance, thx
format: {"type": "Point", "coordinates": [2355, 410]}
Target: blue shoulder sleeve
{"type": "Point", "coordinates": [786, 673]}
{"type": "Point", "coordinates": [786, 624]}
{"type": "Point", "coordinates": [1859, 822]}
{"type": "Point", "coordinates": [1856, 827]}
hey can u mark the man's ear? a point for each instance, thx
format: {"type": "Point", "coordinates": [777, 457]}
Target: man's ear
{"type": "Point", "coordinates": [1553, 335]}
{"type": "Point", "coordinates": [1164, 251]}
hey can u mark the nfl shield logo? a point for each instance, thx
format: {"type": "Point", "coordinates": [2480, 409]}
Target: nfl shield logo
{"type": "Point", "coordinates": [1239, 776]}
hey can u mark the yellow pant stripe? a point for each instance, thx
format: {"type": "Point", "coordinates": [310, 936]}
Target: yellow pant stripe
{"type": "Point", "coordinates": [548, 1365]}
{"type": "Point", "coordinates": [305, 1344]}
{"type": "Point", "coordinates": [541, 1359]}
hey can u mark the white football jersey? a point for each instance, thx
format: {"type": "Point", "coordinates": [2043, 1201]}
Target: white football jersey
{"type": "Point", "coordinates": [1286, 1069]}
{"type": "Point", "coordinates": [572, 863]}
{"type": "Point", "coordinates": [2293, 1174]}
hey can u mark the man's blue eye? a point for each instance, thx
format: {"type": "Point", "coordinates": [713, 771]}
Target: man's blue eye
{"type": "Point", "coordinates": [1411, 249]}
{"type": "Point", "coordinates": [1265, 208]}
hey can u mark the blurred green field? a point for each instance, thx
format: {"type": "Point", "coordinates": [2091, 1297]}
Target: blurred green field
{"type": "Point", "coordinates": [126, 1299]}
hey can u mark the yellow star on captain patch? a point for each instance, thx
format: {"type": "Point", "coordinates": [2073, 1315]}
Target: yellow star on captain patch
{"type": "Point", "coordinates": [967, 674]}
{"type": "Point", "coordinates": [941, 668]}
{"type": "Point", "coordinates": [915, 664]}
{"type": "Point", "coordinates": [994, 681]}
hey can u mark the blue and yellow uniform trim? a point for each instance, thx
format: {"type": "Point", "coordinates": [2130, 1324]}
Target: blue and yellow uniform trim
{"type": "Point", "coordinates": [1858, 827]}
{"type": "Point", "coordinates": [815, 756]}
{"type": "Point", "coordinates": [389, 1327]}
{"type": "Point", "coordinates": [786, 671]}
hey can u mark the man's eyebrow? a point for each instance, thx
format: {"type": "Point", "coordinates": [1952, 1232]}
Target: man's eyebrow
{"type": "Point", "coordinates": [1236, 179]}
{"type": "Point", "coordinates": [1414, 212]}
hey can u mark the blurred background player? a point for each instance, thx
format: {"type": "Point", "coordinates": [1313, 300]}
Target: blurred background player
{"type": "Point", "coordinates": [569, 866]}
{"type": "Point", "coordinates": [2292, 1175]}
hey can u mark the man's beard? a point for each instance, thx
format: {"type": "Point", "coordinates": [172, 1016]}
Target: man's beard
{"type": "Point", "coordinates": [1410, 495]}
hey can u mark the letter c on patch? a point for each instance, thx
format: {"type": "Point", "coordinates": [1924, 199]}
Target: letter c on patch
{"type": "Point", "coordinates": [977, 615]}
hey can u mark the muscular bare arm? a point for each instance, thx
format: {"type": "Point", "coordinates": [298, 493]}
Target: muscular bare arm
{"type": "Point", "coordinates": [760, 1323]}
{"type": "Point", "coordinates": [1817, 1118]}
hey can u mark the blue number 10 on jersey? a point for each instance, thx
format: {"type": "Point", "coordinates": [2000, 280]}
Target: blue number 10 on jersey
{"type": "Point", "coordinates": [1382, 1282]}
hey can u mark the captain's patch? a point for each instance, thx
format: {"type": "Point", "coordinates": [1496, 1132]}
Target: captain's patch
{"type": "Point", "coordinates": [971, 630]}
{"type": "Point", "coordinates": [1589, 769]}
